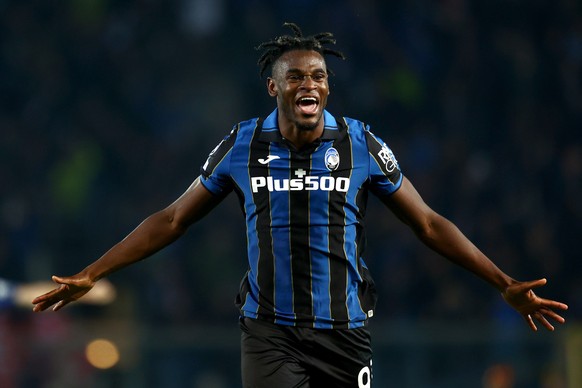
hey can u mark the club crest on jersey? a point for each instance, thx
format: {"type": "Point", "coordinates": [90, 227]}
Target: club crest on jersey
{"type": "Point", "coordinates": [332, 159]}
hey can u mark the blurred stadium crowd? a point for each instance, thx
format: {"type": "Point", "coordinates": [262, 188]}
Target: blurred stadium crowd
{"type": "Point", "coordinates": [109, 108]}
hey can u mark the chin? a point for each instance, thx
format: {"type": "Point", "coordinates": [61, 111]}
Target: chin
{"type": "Point", "coordinates": [308, 124]}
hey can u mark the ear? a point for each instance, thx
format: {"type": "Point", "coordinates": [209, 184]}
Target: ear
{"type": "Point", "coordinates": [271, 87]}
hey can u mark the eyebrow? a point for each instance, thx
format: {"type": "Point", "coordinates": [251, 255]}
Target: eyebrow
{"type": "Point", "coordinates": [295, 70]}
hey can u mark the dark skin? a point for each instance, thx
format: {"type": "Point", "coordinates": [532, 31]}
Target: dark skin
{"type": "Point", "coordinates": [299, 84]}
{"type": "Point", "coordinates": [299, 75]}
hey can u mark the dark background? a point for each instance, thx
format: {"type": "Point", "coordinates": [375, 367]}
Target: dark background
{"type": "Point", "coordinates": [109, 108]}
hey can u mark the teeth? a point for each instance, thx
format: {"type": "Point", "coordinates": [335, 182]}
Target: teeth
{"type": "Point", "coordinates": [308, 99]}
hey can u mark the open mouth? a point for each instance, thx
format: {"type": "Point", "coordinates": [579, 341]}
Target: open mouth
{"type": "Point", "coordinates": [308, 105]}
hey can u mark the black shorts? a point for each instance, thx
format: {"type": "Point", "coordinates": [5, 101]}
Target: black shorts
{"type": "Point", "coordinates": [288, 357]}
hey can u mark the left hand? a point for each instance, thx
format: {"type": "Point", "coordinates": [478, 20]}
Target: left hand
{"type": "Point", "coordinates": [521, 297]}
{"type": "Point", "coordinates": [70, 289]}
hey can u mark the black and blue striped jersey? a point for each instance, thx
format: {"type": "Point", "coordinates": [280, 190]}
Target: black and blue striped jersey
{"type": "Point", "coordinates": [304, 213]}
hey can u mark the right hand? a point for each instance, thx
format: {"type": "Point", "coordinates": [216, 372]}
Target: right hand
{"type": "Point", "coordinates": [521, 297]}
{"type": "Point", "coordinates": [70, 289]}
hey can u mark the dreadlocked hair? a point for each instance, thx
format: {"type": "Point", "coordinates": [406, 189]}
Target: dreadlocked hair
{"type": "Point", "coordinates": [282, 44]}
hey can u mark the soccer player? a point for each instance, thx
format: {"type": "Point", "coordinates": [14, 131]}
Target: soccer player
{"type": "Point", "coordinates": [303, 177]}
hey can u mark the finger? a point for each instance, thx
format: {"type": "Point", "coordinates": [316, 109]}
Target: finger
{"type": "Point", "coordinates": [40, 307]}
{"type": "Point", "coordinates": [552, 314]}
{"type": "Point", "coordinates": [39, 299]}
{"type": "Point", "coordinates": [521, 288]}
{"type": "Point", "coordinates": [541, 319]}
{"type": "Point", "coordinates": [61, 304]}
{"type": "Point", "coordinates": [538, 283]}
{"type": "Point", "coordinates": [59, 280]}
{"type": "Point", "coordinates": [45, 301]}
{"type": "Point", "coordinates": [43, 305]}
{"type": "Point", "coordinates": [532, 284]}
{"type": "Point", "coordinates": [553, 304]}
{"type": "Point", "coordinates": [52, 294]}
{"type": "Point", "coordinates": [46, 296]}
{"type": "Point", "coordinates": [58, 306]}
{"type": "Point", "coordinates": [530, 322]}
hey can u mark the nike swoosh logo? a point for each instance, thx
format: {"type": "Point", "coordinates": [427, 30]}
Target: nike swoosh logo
{"type": "Point", "coordinates": [269, 158]}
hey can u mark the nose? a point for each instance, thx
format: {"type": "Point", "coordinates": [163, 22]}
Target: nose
{"type": "Point", "coordinates": [308, 82]}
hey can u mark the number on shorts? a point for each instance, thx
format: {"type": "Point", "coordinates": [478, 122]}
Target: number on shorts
{"type": "Point", "coordinates": [364, 378]}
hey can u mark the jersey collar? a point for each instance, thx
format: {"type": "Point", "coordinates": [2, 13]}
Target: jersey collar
{"type": "Point", "coordinates": [270, 129]}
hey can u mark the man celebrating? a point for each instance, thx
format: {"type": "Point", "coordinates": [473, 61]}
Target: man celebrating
{"type": "Point", "coordinates": [303, 177]}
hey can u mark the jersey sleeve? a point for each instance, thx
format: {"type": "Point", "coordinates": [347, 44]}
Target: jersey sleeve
{"type": "Point", "coordinates": [215, 173]}
{"type": "Point", "coordinates": [385, 174]}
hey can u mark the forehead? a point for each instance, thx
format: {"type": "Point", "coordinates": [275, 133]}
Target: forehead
{"type": "Point", "coordinates": [302, 60]}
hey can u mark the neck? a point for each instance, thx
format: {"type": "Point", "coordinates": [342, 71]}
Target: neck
{"type": "Point", "coordinates": [300, 136]}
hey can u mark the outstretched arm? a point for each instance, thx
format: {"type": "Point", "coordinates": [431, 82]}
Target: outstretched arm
{"type": "Point", "coordinates": [154, 233]}
{"type": "Point", "coordinates": [445, 238]}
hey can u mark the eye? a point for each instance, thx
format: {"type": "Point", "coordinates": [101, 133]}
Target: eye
{"type": "Point", "coordinates": [319, 77]}
{"type": "Point", "coordinates": [294, 78]}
